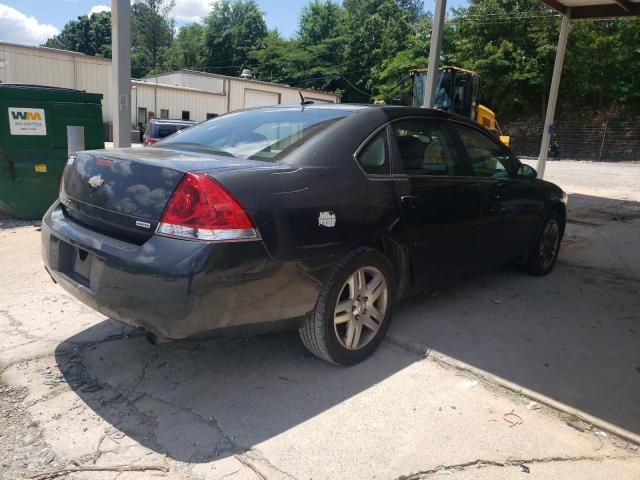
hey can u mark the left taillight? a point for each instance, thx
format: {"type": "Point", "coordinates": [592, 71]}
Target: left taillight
{"type": "Point", "coordinates": [202, 209]}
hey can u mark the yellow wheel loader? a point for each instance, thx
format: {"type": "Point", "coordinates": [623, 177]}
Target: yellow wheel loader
{"type": "Point", "coordinates": [457, 91]}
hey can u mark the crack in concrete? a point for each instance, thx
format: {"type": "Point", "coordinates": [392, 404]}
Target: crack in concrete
{"type": "Point", "coordinates": [24, 360]}
{"type": "Point", "coordinates": [508, 463]}
{"type": "Point", "coordinates": [70, 345]}
{"type": "Point", "coordinates": [256, 455]}
{"type": "Point", "coordinates": [143, 374]}
{"type": "Point", "coordinates": [16, 325]}
{"type": "Point", "coordinates": [244, 460]}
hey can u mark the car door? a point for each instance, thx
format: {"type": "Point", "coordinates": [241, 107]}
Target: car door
{"type": "Point", "coordinates": [510, 209]}
{"type": "Point", "coordinates": [438, 200]}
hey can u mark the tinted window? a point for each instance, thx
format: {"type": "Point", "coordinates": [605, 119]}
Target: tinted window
{"type": "Point", "coordinates": [487, 157]}
{"type": "Point", "coordinates": [374, 157]}
{"type": "Point", "coordinates": [425, 148]}
{"type": "Point", "coordinates": [264, 134]}
{"type": "Point", "coordinates": [165, 130]}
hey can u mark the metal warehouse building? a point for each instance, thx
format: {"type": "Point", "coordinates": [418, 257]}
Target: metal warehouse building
{"type": "Point", "coordinates": [181, 94]}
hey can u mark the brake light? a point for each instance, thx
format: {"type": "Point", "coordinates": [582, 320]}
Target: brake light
{"type": "Point", "coordinates": [201, 209]}
{"type": "Point", "coordinates": [150, 141]}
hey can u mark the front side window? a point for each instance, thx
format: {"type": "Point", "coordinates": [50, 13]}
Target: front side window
{"type": "Point", "coordinates": [374, 157]}
{"type": "Point", "coordinates": [262, 134]}
{"type": "Point", "coordinates": [425, 148]}
{"type": "Point", "coordinates": [488, 159]}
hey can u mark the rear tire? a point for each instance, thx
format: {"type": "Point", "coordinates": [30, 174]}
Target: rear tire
{"type": "Point", "coordinates": [544, 254]}
{"type": "Point", "coordinates": [353, 310]}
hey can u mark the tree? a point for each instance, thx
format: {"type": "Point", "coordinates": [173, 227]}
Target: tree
{"type": "Point", "coordinates": [392, 80]}
{"type": "Point", "coordinates": [512, 46]}
{"type": "Point", "coordinates": [188, 48]}
{"type": "Point", "coordinates": [601, 64]}
{"type": "Point", "coordinates": [380, 29]}
{"type": "Point", "coordinates": [88, 34]}
{"type": "Point", "coordinates": [233, 30]}
{"type": "Point", "coordinates": [320, 21]}
{"type": "Point", "coordinates": [152, 30]}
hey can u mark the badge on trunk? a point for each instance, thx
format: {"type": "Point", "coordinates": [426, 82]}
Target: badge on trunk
{"type": "Point", "coordinates": [96, 181]}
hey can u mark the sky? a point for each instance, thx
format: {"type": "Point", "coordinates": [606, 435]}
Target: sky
{"type": "Point", "coordinates": [33, 21]}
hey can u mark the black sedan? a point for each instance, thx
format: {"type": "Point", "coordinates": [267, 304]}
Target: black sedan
{"type": "Point", "coordinates": [314, 217]}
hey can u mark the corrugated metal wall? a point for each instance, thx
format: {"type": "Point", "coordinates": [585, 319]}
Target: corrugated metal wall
{"type": "Point", "coordinates": [46, 66]}
{"type": "Point", "coordinates": [237, 87]}
{"type": "Point", "coordinates": [198, 104]}
{"type": "Point", "coordinates": [185, 79]}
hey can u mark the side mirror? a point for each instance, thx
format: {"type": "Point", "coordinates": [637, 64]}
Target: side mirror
{"type": "Point", "coordinates": [527, 171]}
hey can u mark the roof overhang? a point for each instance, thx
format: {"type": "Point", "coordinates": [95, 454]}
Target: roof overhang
{"type": "Point", "coordinates": [578, 9]}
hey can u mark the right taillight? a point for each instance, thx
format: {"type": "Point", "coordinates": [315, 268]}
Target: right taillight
{"type": "Point", "coordinates": [201, 209]}
{"type": "Point", "coordinates": [150, 141]}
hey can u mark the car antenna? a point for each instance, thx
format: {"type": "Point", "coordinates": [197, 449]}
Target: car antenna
{"type": "Point", "coordinates": [304, 102]}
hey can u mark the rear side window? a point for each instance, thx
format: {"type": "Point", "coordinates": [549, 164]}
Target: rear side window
{"type": "Point", "coordinates": [425, 148]}
{"type": "Point", "coordinates": [374, 157]}
{"type": "Point", "coordinates": [487, 157]}
{"type": "Point", "coordinates": [166, 130]}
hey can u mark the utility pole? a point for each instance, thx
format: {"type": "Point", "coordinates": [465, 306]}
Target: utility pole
{"type": "Point", "coordinates": [155, 94]}
{"type": "Point", "coordinates": [121, 72]}
{"type": "Point", "coordinates": [434, 53]}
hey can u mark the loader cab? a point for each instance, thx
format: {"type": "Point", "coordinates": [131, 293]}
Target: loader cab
{"type": "Point", "coordinates": [457, 90]}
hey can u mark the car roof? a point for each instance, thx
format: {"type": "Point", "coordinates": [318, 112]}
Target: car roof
{"type": "Point", "coordinates": [165, 120]}
{"type": "Point", "coordinates": [393, 111]}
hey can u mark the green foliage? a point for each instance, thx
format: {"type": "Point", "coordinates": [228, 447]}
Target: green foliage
{"type": "Point", "coordinates": [511, 44]}
{"type": "Point", "coordinates": [233, 29]}
{"type": "Point", "coordinates": [89, 35]}
{"type": "Point", "coordinates": [152, 29]}
{"type": "Point", "coordinates": [602, 62]}
{"type": "Point", "coordinates": [320, 21]}
{"type": "Point", "coordinates": [187, 50]}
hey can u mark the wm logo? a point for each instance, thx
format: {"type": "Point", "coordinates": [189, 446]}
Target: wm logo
{"type": "Point", "coordinates": [26, 116]}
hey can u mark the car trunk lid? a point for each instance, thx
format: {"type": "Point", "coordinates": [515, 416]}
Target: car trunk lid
{"type": "Point", "coordinates": [123, 192]}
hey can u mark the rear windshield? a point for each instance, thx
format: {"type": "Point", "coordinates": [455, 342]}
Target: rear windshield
{"type": "Point", "coordinates": [265, 134]}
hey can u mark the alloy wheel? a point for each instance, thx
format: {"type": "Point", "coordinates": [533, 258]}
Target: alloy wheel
{"type": "Point", "coordinates": [549, 243]}
{"type": "Point", "coordinates": [361, 308]}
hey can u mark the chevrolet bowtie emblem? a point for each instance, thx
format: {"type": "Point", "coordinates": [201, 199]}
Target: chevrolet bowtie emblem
{"type": "Point", "coordinates": [96, 181]}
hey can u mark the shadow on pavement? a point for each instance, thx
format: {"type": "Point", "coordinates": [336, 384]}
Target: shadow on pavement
{"type": "Point", "coordinates": [193, 400]}
{"type": "Point", "coordinates": [573, 336]}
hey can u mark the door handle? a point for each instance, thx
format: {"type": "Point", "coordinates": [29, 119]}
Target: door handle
{"type": "Point", "coordinates": [409, 200]}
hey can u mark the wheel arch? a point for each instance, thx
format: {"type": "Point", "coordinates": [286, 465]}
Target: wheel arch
{"type": "Point", "coordinates": [561, 209]}
{"type": "Point", "coordinates": [398, 255]}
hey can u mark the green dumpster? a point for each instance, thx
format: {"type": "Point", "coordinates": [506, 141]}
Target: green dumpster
{"type": "Point", "coordinates": [33, 142]}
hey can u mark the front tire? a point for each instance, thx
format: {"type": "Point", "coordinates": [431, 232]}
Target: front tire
{"type": "Point", "coordinates": [353, 311]}
{"type": "Point", "coordinates": [544, 254]}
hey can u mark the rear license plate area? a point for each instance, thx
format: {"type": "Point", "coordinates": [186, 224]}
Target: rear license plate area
{"type": "Point", "coordinates": [75, 263]}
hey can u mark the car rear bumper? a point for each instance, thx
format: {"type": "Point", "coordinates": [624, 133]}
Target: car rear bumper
{"type": "Point", "coordinates": [174, 288]}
